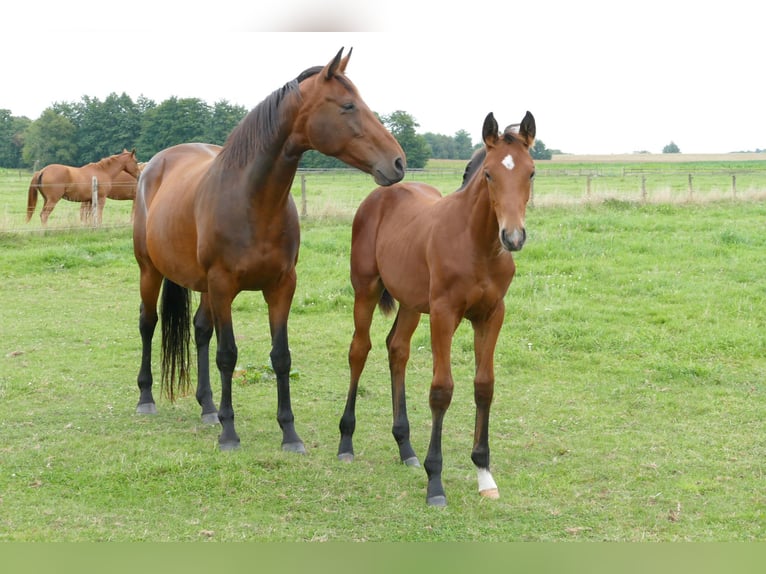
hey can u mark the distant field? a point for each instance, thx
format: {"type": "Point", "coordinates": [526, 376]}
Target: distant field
{"type": "Point", "coordinates": [566, 179]}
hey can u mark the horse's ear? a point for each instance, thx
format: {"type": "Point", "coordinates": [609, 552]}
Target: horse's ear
{"type": "Point", "coordinates": [344, 63]}
{"type": "Point", "coordinates": [333, 67]}
{"type": "Point", "coordinates": [527, 130]}
{"type": "Point", "coordinates": [489, 131]}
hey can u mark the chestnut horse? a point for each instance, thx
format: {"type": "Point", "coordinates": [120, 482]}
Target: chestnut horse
{"type": "Point", "coordinates": [221, 220]}
{"type": "Point", "coordinates": [449, 257]}
{"type": "Point", "coordinates": [123, 188]}
{"type": "Point", "coordinates": [57, 181]}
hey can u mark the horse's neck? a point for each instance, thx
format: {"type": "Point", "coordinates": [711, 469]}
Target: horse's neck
{"type": "Point", "coordinates": [478, 210]}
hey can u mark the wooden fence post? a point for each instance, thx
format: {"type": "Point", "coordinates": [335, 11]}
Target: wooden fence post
{"type": "Point", "coordinates": [94, 202]}
{"type": "Point", "coordinates": [643, 188]}
{"type": "Point", "coordinates": [690, 186]}
{"type": "Point", "coordinates": [587, 190]}
{"type": "Point", "coordinates": [532, 194]}
{"type": "Point", "coordinates": [734, 186]}
{"type": "Point", "coordinates": [304, 207]}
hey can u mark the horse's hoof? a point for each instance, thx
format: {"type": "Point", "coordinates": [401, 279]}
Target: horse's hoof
{"type": "Point", "coordinates": [210, 418]}
{"type": "Point", "coordinates": [439, 500]}
{"type": "Point", "coordinates": [146, 409]}
{"type": "Point", "coordinates": [412, 462]}
{"type": "Point", "coordinates": [228, 445]}
{"type": "Point", "coordinates": [296, 447]}
{"type": "Point", "coordinates": [492, 493]}
{"type": "Point", "coordinates": [346, 457]}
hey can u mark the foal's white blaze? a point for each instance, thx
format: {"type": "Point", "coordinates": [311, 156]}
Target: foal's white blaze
{"type": "Point", "coordinates": [508, 162]}
{"type": "Point", "coordinates": [487, 486]}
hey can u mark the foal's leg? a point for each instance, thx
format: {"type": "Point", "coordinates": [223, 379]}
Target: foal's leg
{"type": "Point", "coordinates": [279, 300]}
{"type": "Point", "coordinates": [203, 332]}
{"type": "Point", "coordinates": [485, 340]}
{"type": "Point", "coordinates": [150, 284]}
{"type": "Point", "coordinates": [443, 326]}
{"type": "Point", "coordinates": [398, 344]}
{"type": "Point", "coordinates": [365, 301]}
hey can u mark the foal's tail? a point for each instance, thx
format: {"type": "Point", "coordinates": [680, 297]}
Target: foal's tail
{"type": "Point", "coordinates": [175, 312]}
{"type": "Point", "coordinates": [387, 304]}
{"type": "Point", "coordinates": [34, 187]}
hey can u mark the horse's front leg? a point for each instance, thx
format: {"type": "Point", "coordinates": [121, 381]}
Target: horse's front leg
{"type": "Point", "coordinates": [203, 332]}
{"type": "Point", "coordinates": [398, 343]}
{"type": "Point", "coordinates": [226, 359]}
{"type": "Point", "coordinates": [279, 299]}
{"type": "Point", "coordinates": [485, 339]}
{"type": "Point", "coordinates": [443, 326]}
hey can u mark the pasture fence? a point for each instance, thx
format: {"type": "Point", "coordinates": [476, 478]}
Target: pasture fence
{"type": "Point", "coordinates": [328, 193]}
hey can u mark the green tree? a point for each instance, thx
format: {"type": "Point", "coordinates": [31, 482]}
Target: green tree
{"type": "Point", "coordinates": [671, 148]}
{"type": "Point", "coordinates": [223, 120]}
{"type": "Point", "coordinates": [402, 125]}
{"type": "Point", "coordinates": [539, 151]}
{"type": "Point", "coordinates": [50, 139]}
{"type": "Point", "coordinates": [106, 128]}
{"type": "Point", "coordinates": [463, 145]}
{"type": "Point", "coordinates": [172, 122]}
{"type": "Point", "coordinates": [12, 131]}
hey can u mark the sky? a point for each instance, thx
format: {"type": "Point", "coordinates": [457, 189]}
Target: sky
{"type": "Point", "coordinates": [600, 77]}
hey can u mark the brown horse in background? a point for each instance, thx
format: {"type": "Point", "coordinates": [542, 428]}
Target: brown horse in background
{"type": "Point", "coordinates": [221, 220]}
{"type": "Point", "coordinates": [123, 188]}
{"type": "Point", "coordinates": [57, 181]}
{"type": "Point", "coordinates": [449, 257]}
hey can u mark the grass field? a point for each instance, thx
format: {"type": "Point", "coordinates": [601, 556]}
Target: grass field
{"type": "Point", "coordinates": [629, 403]}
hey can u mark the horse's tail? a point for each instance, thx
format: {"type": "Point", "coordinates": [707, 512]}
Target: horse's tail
{"type": "Point", "coordinates": [175, 312]}
{"type": "Point", "coordinates": [34, 187]}
{"type": "Point", "coordinates": [387, 304]}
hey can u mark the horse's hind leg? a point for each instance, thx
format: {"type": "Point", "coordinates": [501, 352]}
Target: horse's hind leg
{"type": "Point", "coordinates": [151, 281]}
{"type": "Point", "coordinates": [398, 344]}
{"type": "Point", "coordinates": [365, 301]}
{"type": "Point", "coordinates": [45, 212]}
{"type": "Point", "coordinates": [203, 332]}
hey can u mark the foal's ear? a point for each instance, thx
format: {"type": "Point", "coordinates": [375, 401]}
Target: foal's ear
{"type": "Point", "coordinates": [489, 131]}
{"type": "Point", "coordinates": [527, 130]}
{"type": "Point", "coordinates": [335, 65]}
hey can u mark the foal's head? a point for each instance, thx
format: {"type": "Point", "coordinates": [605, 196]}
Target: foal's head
{"type": "Point", "coordinates": [508, 170]}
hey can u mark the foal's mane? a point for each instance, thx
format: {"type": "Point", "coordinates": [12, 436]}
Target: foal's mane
{"type": "Point", "coordinates": [260, 128]}
{"type": "Point", "coordinates": [478, 156]}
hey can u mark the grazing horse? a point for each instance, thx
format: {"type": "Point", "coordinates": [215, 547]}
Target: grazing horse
{"type": "Point", "coordinates": [221, 220]}
{"type": "Point", "coordinates": [57, 181]}
{"type": "Point", "coordinates": [123, 188]}
{"type": "Point", "coordinates": [449, 257]}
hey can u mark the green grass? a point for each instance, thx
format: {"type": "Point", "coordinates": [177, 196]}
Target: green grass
{"type": "Point", "coordinates": [629, 400]}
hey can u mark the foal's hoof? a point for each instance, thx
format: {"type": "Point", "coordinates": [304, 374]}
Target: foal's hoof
{"type": "Point", "coordinates": [346, 457]}
{"type": "Point", "coordinates": [210, 418]}
{"type": "Point", "coordinates": [146, 409]}
{"type": "Point", "coordinates": [439, 500]}
{"type": "Point", "coordinates": [492, 493]}
{"type": "Point", "coordinates": [296, 447]}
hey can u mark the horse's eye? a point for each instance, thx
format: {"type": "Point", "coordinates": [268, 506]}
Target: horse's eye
{"type": "Point", "coordinates": [349, 107]}
{"type": "Point", "coordinates": [531, 177]}
{"type": "Point", "coordinates": [487, 176]}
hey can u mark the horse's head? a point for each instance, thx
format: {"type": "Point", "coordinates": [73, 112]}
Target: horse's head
{"type": "Point", "coordinates": [129, 162]}
{"type": "Point", "coordinates": [335, 121]}
{"type": "Point", "coordinates": [508, 170]}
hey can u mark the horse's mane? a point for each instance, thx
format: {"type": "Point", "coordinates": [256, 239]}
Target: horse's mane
{"type": "Point", "coordinates": [473, 166]}
{"type": "Point", "coordinates": [260, 127]}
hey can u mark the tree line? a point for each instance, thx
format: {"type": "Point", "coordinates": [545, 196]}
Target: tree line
{"type": "Point", "coordinates": [76, 133]}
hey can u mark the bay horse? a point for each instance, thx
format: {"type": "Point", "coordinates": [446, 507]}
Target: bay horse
{"type": "Point", "coordinates": [449, 257]}
{"type": "Point", "coordinates": [58, 181]}
{"type": "Point", "coordinates": [221, 220]}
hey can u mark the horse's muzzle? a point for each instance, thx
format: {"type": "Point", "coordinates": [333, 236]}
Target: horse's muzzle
{"type": "Point", "coordinates": [514, 240]}
{"type": "Point", "coordinates": [390, 174]}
